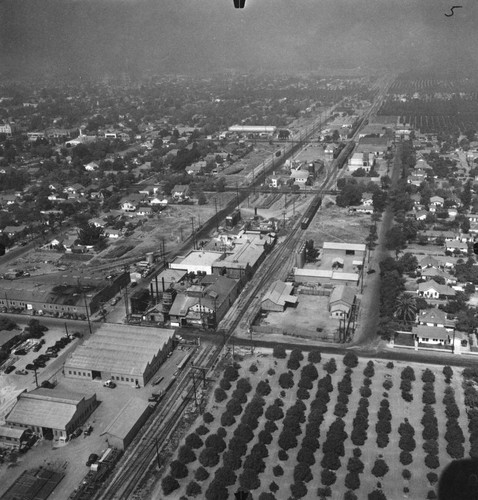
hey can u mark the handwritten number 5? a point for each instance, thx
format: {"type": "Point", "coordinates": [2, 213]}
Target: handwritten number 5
{"type": "Point", "coordinates": [454, 7]}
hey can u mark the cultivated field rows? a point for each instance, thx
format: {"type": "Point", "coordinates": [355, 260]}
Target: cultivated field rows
{"type": "Point", "coordinates": [268, 483]}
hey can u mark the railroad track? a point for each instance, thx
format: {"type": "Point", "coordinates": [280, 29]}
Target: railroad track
{"type": "Point", "coordinates": [133, 466]}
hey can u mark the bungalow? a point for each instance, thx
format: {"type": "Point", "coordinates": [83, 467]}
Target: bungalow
{"type": "Point", "coordinates": [364, 209]}
{"type": "Point", "coordinates": [92, 166]}
{"type": "Point", "coordinates": [113, 233]}
{"type": "Point", "coordinates": [456, 246]}
{"type": "Point", "coordinates": [97, 222]}
{"type": "Point", "coordinates": [367, 199]}
{"type": "Point", "coordinates": [196, 168]}
{"type": "Point", "coordinates": [431, 335]}
{"type": "Point", "coordinates": [437, 201]}
{"type": "Point", "coordinates": [429, 261]}
{"type": "Point", "coordinates": [8, 199]}
{"type": "Point", "coordinates": [75, 189]}
{"type": "Point", "coordinates": [13, 231]}
{"type": "Point", "coordinates": [144, 211]}
{"type": "Point", "coordinates": [432, 236]}
{"type": "Point", "coordinates": [341, 300]}
{"type": "Point", "coordinates": [437, 318]}
{"type": "Point", "coordinates": [432, 290]}
{"type": "Point", "coordinates": [180, 191]}
{"type": "Point", "coordinates": [430, 272]}
{"type": "Point", "coordinates": [158, 201]}
{"type": "Point", "coordinates": [421, 215]}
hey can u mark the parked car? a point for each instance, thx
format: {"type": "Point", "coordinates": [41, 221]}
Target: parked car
{"type": "Point", "coordinates": [110, 384]}
{"type": "Point", "coordinates": [76, 432]}
{"type": "Point", "coordinates": [92, 459]}
{"type": "Point", "coordinates": [88, 430]}
{"type": "Point", "coordinates": [37, 348]}
{"type": "Point", "coordinates": [10, 368]}
{"type": "Point", "coordinates": [47, 384]}
{"type": "Point", "coordinates": [19, 352]}
{"type": "Point", "coordinates": [114, 301]}
{"type": "Point", "coordinates": [21, 372]}
{"type": "Point", "coordinates": [30, 366]}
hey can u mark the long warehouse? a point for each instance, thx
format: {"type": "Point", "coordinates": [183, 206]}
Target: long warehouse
{"type": "Point", "coordinates": [124, 354]}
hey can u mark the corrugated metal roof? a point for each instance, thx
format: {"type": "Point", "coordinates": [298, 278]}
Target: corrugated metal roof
{"type": "Point", "coordinates": [280, 293]}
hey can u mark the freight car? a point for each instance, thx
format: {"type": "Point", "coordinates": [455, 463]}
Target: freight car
{"type": "Point", "coordinates": [344, 154]}
{"type": "Point", "coordinates": [311, 211]}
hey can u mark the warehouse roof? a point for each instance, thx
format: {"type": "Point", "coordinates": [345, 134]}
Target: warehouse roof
{"type": "Point", "coordinates": [127, 418]}
{"type": "Point", "coordinates": [342, 293]}
{"type": "Point", "coordinates": [46, 408]}
{"type": "Point", "coordinates": [120, 349]}
{"type": "Point", "coordinates": [280, 293]}
{"type": "Point", "coordinates": [332, 245]}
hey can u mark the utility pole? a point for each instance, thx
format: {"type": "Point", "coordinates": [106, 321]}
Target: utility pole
{"type": "Point", "coordinates": [217, 221]}
{"type": "Point", "coordinates": [194, 385]}
{"type": "Point", "coordinates": [36, 378]}
{"type": "Point", "coordinates": [237, 195]}
{"type": "Point", "coordinates": [126, 298]}
{"type": "Point", "coordinates": [194, 233]}
{"type": "Point", "coordinates": [86, 305]}
{"type": "Point", "coordinates": [66, 330]}
{"type": "Point", "coordinates": [157, 452]}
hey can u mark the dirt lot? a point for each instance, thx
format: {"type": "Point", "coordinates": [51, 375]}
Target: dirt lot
{"type": "Point", "coordinates": [392, 483]}
{"type": "Point", "coordinates": [311, 313]}
{"type": "Point", "coordinates": [336, 224]}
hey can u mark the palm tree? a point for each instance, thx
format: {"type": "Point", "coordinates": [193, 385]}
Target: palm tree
{"type": "Point", "coordinates": [406, 307]}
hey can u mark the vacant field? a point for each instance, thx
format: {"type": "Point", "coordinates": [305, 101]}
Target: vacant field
{"type": "Point", "coordinates": [336, 224]}
{"type": "Point", "coordinates": [311, 426]}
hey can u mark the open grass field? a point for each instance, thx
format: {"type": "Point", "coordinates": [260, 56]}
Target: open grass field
{"type": "Point", "coordinates": [316, 426]}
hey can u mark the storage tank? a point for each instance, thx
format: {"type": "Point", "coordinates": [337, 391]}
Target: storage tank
{"type": "Point", "coordinates": [150, 258]}
{"type": "Point", "coordinates": [300, 257]}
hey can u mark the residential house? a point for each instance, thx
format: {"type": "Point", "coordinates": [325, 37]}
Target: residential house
{"type": "Point", "coordinates": [432, 290]}
{"type": "Point", "coordinates": [456, 246]}
{"type": "Point", "coordinates": [13, 231]}
{"type": "Point", "coordinates": [300, 177]}
{"type": "Point", "coordinates": [421, 215]}
{"type": "Point", "coordinates": [437, 318]}
{"type": "Point", "coordinates": [92, 166]}
{"type": "Point", "coordinates": [142, 211]}
{"type": "Point", "coordinates": [75, 189]}
{"type": "Point", "coordinates": [436, 201]}
{"type": "Point", "coordinates": [341, 300]}
{"type": "Point", "coordinates": [196, 168]}
{"type": "Point", "coordinates": [158, 202]}
{"type": "Point", "coordinates": [431, 272]}
{"type": "Point", "coordinates": [367, 199]}
{"type": "Point", "coordinates": [113, 234]}
{"type": "Point", "coordinates": [131, 202]}
{"type": "Point", "coordinates": [433, 335]}
{"type": "Point", "coordinates": [97, 222]}
{"type": "Point", "coordinates": [433, 236]}
{"type": "Point", "coordinates": [180, 191]}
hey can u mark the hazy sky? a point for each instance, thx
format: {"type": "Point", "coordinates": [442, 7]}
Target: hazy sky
{"type": "Point", "coordinates": [94, 36]}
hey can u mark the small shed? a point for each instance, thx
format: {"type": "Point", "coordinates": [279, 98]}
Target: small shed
{"type": "Point", "coordinates": [11, 437]}
{"type": "Point", "coordinates": [127, 423]}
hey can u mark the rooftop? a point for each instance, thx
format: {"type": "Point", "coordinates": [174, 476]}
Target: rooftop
{"type": "Point", "coordinates": [120, 349]}
{"type": "Point", "coordinates": [332, 245]}
{"type": "Point", "coordinates": [280, 293]}
{"type": "Point", "coordinates": [126, 418]}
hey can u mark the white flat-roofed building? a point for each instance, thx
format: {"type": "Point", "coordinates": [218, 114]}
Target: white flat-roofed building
{"type": "Point", "coordinates": [122, 430]}
{"type": "Point", "coordinates": [51, 413]}
{"type": "Point", "coordinates": [196, 260]}
{"type": "Point", "coordinates": [324, 276]}
{"type": "Point", "coordinates": [253, 129]}
{"type": "Point", "coordinates": [356, 249]}
{"type": "Point", "coordinates": [124, 354]}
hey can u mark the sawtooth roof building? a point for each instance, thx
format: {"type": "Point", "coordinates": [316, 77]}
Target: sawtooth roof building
{"type": "Point", "coordinates": [124, 354]}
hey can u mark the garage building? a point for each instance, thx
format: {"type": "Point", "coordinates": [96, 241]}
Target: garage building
{"type": "Point", "coordinates": [126, 354]}
{"type": "Point", "coordinates": [51, 413]}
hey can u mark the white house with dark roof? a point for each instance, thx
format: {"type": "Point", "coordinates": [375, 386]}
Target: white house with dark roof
{"type": "Point", "coordinates": [432, 290]}
{"type": "Point", "coordinates": [433, 335]}
{"type": "Point", "coordinates": [453, 246]}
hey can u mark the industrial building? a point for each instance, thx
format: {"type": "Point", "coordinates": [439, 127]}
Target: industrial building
{"type": "Point", "coordinates": [13, 438]}
{"type": "Point", "coordinates": [122, 430]}
{"type": "Point", "coordinates": [206, 303]}
{"type": "Point", "coordinates": [278, 297]}
{"type": "Point", "coordinates": [264, 130]}
{"type": "Point", "coordinates": [196, 261]}
{"type": "Point", "coordinates": [341, 300]}
{"type": "Point", "coordinates": [126, 354]}
{"type": "Point", "coordinates": [52, 414]}
{"type": "Point", "coordinates": [343, 249]}
{"type": "Point", "coordinates": [64, 292]}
